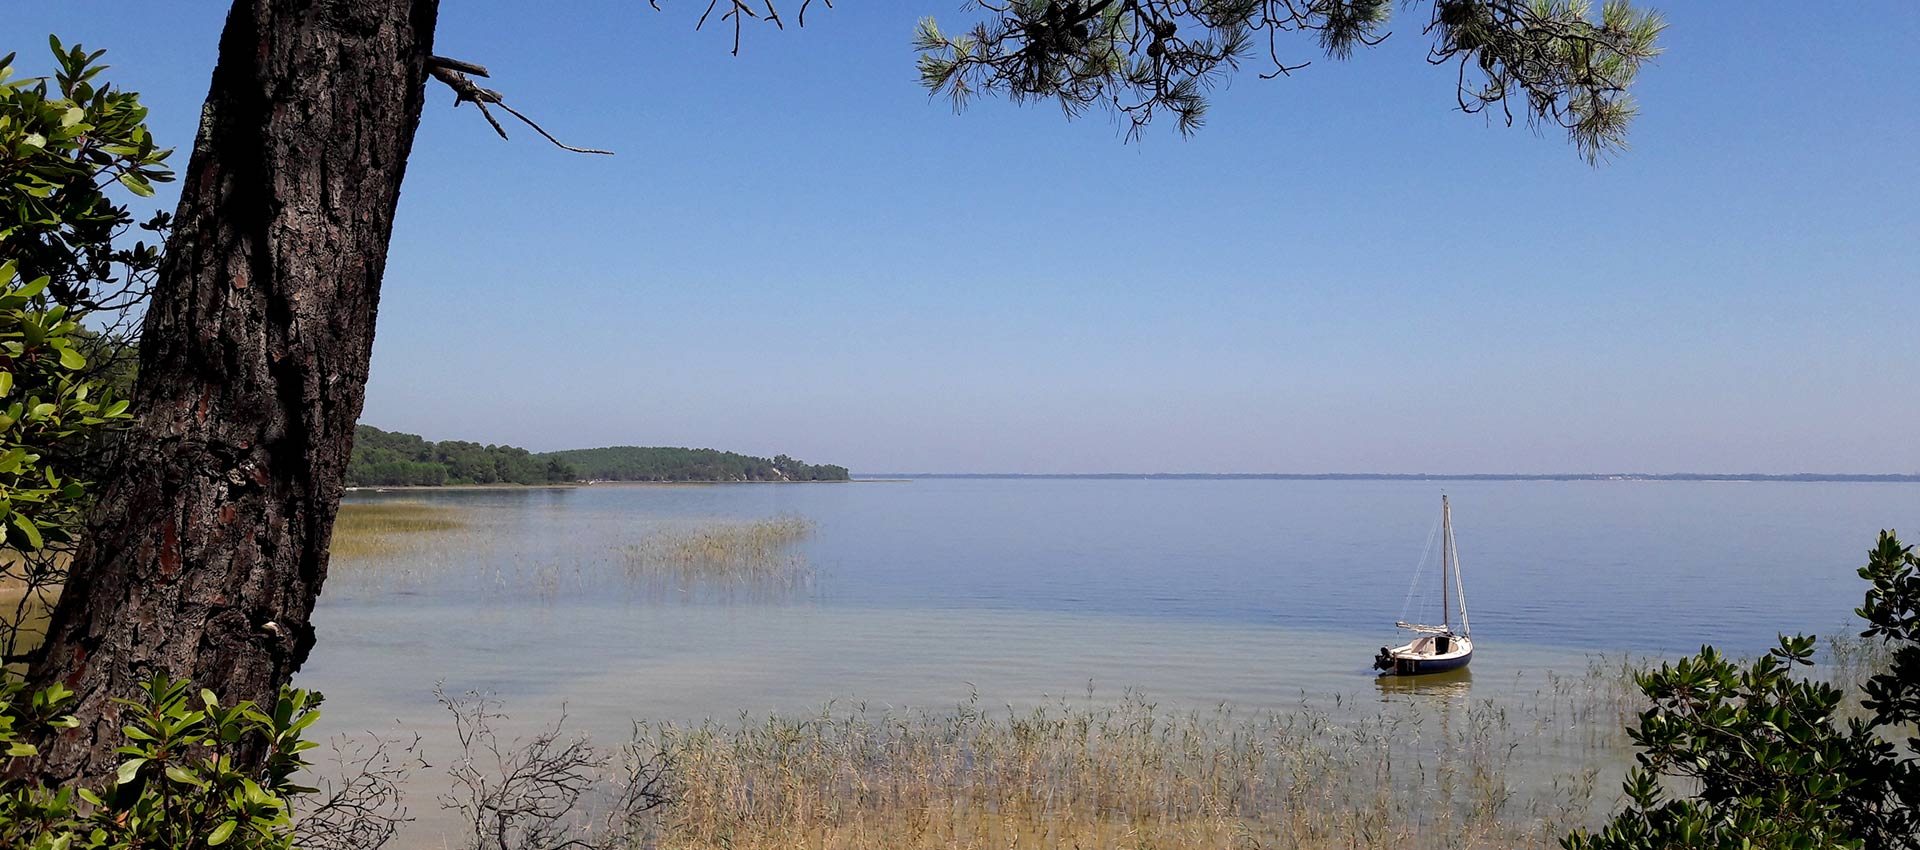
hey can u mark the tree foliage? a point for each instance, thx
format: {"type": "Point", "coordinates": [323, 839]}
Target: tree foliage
{"type": "Point", "coordinates": [389, 459]}
{"type": "Point", "coordinates": [637, 463]}
{"type": "Point", "coordinates": [1563, 63]}
{"type": "Point", "coordinates": [195, 774]}
{"type": "Point", "coordinates": [63, 141]}
{"type": "Point", "coordinates": [46, 409]}
{"type": "Point", "coordinates": [1763, 757]}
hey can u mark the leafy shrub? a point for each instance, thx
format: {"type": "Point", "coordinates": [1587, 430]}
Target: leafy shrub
{"type": "Point", "coordinates": [44, 409]}
{"type": "Point", "coordinates": [1764, 757]}
{"type": "Point", "coordinates": [70, 291]}
{"type": "Point", "coordinates": [197, 774]}
{"type": "Point", "coordinates": [65, 139]}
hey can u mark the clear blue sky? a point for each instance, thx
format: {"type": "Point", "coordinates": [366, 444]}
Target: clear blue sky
{"type": "Point", "coordinates": [796, 251]}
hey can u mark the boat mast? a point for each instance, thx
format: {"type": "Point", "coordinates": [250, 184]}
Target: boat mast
{"type": "Point", "coordinates": [1459, 587]}
{"type": "Point", "coordinates": [1446, 546]}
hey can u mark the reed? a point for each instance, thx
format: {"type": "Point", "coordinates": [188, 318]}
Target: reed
{"type": "Point", "coordinates": [1849, 661]}
{"type": "Point", "coordinates": [370, 529]}
{"type": "Point", "coordinates": [1451, 774]}
{"type": "Point", "coordinates": [724, 554]}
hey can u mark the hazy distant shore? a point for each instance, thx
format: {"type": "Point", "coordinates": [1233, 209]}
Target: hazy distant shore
{"type": "Point", "coordinates": [568, 485]}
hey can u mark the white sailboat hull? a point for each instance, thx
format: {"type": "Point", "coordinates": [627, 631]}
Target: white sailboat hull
{"type": "Point", "coordinates": [1430, 654]}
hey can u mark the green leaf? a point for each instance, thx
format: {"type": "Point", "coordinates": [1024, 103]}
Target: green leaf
{"type": "Point", "coordinates": [129, 770]}
{"type": "Point", "coordinates": [72, 359]}
{"type": "Point", "coordinates": [27, 528]}
{"type": "Point", "coordinates": [220, 834]}
{"type": "Point", "coordinates": [33, 287]}
{"type": "Point", "coordinates": [137, 184]}
{"type": "Point", "coordinates": [184, 777]}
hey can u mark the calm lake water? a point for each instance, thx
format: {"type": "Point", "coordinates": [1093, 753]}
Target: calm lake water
{"type": "Point", "coordinates": [1264, 594]}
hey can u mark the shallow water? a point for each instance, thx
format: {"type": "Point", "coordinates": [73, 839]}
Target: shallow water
{"type": "Point", "coordinates": [1263, 594]}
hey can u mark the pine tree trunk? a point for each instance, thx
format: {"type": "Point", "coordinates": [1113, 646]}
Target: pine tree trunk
{"type": "Point", "coordinates": [208, 545]}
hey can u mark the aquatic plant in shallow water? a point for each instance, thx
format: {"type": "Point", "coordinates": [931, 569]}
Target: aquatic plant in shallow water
{"type": "Point", "coordinates": [371, 529]}
{"type": "Point", "coordinates": [1422, 768]}
{"type": "Point", "coordinates": [727, 556]}
{"type": "Point", "coordinates": [1131, 774]}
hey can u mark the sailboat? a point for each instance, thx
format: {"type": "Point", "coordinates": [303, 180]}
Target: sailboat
{"type": "Point", "coordinates": [1437, 649]}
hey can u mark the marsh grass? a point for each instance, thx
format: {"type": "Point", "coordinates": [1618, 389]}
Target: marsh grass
{"type": "Point", "coordinates": [372, 529]}
{"type": "Point", "coordinates": [389, 547]}
{"type": "Point", "coordinates": [727, 556]}
{"type": "Point", "coordinates": [1849, 661]}
{"type": "Point", "coordinates": [1433, 773]}
{"type": "Point", "coordinates": [1425, 765]}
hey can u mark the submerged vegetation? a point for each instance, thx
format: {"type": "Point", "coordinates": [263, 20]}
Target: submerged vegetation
{"type": "Point", "coordinates": [366, 529]}
{"type": "Point", "coordinates": [726, 555]}
{"type": "Point", "coordinates": [1126, 775]}
{"type": "Point", "coordinates": [1429, 767]}
{"type": "Point", "coordinates": [384, 545]}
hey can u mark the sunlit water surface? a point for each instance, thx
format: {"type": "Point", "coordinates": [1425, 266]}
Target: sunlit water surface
{"type": "Point", "coordinates": [1268, 595]}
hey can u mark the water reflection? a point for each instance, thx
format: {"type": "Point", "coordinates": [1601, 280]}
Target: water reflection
{"type": "Point", "coordinates": [1450, 686]}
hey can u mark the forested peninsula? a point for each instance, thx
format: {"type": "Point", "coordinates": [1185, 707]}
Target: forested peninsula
{"type": "Point", "coordinates": [636, 463]}
{"type": "Point", "coordinates": [390, 459]}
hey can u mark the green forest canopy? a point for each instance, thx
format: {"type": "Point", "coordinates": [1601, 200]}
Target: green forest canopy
{"type": "Point", "coordinates": [636, 463]}
{"type": "Point", "coordinates": [389, 459]}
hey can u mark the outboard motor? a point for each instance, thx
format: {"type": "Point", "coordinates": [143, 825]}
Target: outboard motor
{"type": "Point", "coordinates": [1383, 661]}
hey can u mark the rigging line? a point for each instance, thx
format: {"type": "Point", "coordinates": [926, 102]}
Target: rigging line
{"type": "Point", "coordinates": [1460, 588]}
{"type": "Point", "coordinates": [1419, 569]}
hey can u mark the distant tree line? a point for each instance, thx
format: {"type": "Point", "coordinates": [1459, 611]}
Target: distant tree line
{"type": "Point", "coordinates": [636, 463]}
{"type": "Point", "coordinates": [387, 459]}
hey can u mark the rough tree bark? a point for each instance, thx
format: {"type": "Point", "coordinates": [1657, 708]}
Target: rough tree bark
{"type": "Point", "coordinates": [208, 545]}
